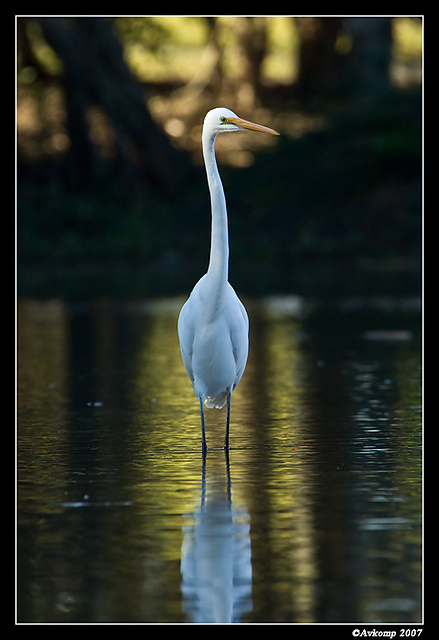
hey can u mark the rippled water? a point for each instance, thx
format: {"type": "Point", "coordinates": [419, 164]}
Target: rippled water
{"type": "Point", "coordinates": [314, 515]}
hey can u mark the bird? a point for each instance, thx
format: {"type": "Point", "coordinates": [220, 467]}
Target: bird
{"type": "Point", "coordinates": [213, 324]}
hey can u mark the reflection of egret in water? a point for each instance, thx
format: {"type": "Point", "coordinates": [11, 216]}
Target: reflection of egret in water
{"type": "Point", "coordinates": [216, 554]}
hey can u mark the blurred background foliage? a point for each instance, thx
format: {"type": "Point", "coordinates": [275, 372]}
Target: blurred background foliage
{"type": "Point", "coordinates": [109, 117]}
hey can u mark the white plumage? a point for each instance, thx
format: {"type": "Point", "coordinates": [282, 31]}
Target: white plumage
{"type": "Point", "coordinates": [213, 323]}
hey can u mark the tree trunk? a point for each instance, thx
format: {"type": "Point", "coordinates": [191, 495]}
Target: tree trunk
{"type": "Point", "coordinates": [96, 74]}
{"type": "Point", "coordinates": [319, 71]}
{"type": "Point", "coordinates": [367, 65]}
{"type": "Point", "coordinates": [360, 72]}
{"type": "Point", "coordinates": [249, 51]}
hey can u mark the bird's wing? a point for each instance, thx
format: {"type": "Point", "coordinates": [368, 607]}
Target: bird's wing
{"type": "Point", "coordinates": [186, 334]}
{"type": "Point", "coordinates": [239, 337]}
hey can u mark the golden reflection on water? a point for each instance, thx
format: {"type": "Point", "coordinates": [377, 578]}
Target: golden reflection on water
{"type": "Point", "coordinates": [161, 387]}
{"type": "Point", "coordinates": [289, 481]}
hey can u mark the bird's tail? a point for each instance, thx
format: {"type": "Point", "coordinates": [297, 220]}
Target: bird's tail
{"type": "Point", "coordinates": [216, 402]}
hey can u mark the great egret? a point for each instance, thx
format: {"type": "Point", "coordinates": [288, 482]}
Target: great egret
{"type": "Point", "coordinates": [213, 323]}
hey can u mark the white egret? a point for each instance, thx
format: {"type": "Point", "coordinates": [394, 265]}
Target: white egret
{"type": "Point", "coordinates": [213, 323]}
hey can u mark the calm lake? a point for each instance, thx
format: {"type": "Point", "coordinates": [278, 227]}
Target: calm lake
{"type": "Point", "coordinates": [314, 515]}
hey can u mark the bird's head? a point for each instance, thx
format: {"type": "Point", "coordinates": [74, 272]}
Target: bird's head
{"type": "Point", "coordinates": [222, 120]}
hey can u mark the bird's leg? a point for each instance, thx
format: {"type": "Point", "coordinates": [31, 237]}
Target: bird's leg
{"type": "Point", "coordinates": [229, 400]}
{"type": "Point", "coordinates": [203, 480]}
{"type": "Point", "coordinates": [203, 430]}
{"type": "Point", "coordinates": [229, 480]}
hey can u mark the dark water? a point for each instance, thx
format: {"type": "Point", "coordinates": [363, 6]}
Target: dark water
{"type": "Point", "coordinates": [314, 516]}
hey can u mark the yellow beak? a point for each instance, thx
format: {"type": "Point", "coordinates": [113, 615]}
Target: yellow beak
{"type": "Point", "coordinates": [251, 126]}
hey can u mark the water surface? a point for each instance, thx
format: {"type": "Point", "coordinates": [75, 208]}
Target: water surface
{"type": "Point", "coordinates": [314, 515]}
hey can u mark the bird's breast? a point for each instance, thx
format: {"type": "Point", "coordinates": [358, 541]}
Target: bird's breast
{"type": "Point", "coordinates": [213, 360]}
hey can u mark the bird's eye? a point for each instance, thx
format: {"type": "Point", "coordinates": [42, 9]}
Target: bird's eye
{"type": "Point", "coordinates": [223, 119]}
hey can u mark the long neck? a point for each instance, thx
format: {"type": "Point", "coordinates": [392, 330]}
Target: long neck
{"type": "Point", "coordinates": [218, 271]}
